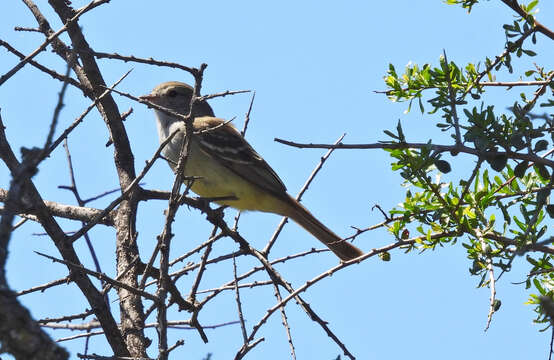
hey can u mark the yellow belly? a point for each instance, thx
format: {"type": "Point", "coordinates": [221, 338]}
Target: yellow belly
{"type": "Point", "coordinates": [215, 181]}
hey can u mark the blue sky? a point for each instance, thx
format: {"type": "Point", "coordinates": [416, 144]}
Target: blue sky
{"type": "Point", "coordinates": [314, 66]}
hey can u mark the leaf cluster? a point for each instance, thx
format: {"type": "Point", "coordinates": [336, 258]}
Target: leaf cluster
{"type": "Point", "coordinates": [500, 205]}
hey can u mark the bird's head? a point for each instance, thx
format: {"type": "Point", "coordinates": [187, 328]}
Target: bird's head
{"type": "Point", "coordinates": [176, 96]}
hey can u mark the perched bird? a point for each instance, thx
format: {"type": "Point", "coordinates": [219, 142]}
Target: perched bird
{"type": "Point", "coordinates": [226, 166]}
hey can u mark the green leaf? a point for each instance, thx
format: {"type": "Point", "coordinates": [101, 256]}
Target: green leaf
{"type": "Point", "coordinates": [496, 305]}
{"type": "Point", "coordinates": [498, 162]}
{"type": "Point", "coordinates": [531, 260]}
{"type": "Point", "coordinates": [542, 171]}
{"type": "Point", "coordinates": [421, 108]}
{"type": "Point", "coordinates": [385, 256]}
{"type": "Point", "coordinates": [531, 5]}
{"type": "Point", "coordinates": [539, 287]}
{"type": "Point", "coordinates": [522, 225]}
{"type": "Point", "coordinates": [542, 195]}
{"type": "Point", "coordinates": [401, 136]}
{"type": "Point", "coordinates": [505, 213]}
{"type": "Point", "coordinates": [480, 143]}
{"type": "Point", "coordinates": [541, 232]}
{"type": "Point", "coordinates": [541, 145]}
{"type": "Point", "coordinates": [520, 169]}
{"type": "Point", "coordinates": [389, 133]}
{"type": "Point", "coordinates": [518, 142]}
{"type": "Point", "coordinates": [469, 213]}
{"type": "Point", "coordinates": [443, 166]}
{"type": "Point", "coordinates": [550, 210]}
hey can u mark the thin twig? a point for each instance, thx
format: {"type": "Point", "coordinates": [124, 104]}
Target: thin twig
{"type": "Point", "coordinates": [222, 94]}
{"type": "Point", "coordinates": [75, 192]}
{"type": "Point", "coordinates": [433, 147]}
{"type": "Point", "coordinates": [58, 108]}
{"type": "Point", "coordinates": [240, 286]}
{"type": "Point", "coordinates": [304, 188]}
{"type": "Point", "coordinates": [285, 321]}
{"type": "Point", "coordinates": [239, 304]}
{"type": "Point", "coordinates": [43, 68]}
{"type": "Point", "coordinates": [196, 283]}
{"type": "Point", "coordinates": [492, 281]}
{"type": "Point", "coordinates": [247, 116]}
{"type": "Point", "coordinates": [43, 46]}
{"type": "Point", "coordinates": [149, 61]}
{"type": "Point", "coordinates": [101, 276]}
{"type": "Point", "coordinates": [247, 347]}
{"type": "Point", "coordinates": [171, 325]}
{"type": "Point", "coordinates": [81, 117]}
{"type": "Point", "coordinates": [43, 287]}
{"type": "Point", "coordinates": [196, 249]}
{"type": "Point", "coordinates": [81, 316]}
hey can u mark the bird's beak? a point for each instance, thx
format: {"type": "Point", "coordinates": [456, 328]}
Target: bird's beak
{"type": "Point", "coordinates": [148, 98]}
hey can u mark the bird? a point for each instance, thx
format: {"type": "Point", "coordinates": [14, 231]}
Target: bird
{"type": "Point", "coordinates": [225, 167]}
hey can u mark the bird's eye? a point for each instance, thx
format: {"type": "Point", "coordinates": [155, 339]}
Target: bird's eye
{"type": "Point", "coordinates": [172, 93]}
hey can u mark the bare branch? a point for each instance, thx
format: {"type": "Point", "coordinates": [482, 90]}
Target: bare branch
{"type": "Point", "coordinates": [68, 211]}
{"type": "Point", "coordinates": [43, 46]}
{"type": "Point", "coordinates": [103, 277]}
{"type": "Point", "coordinates": [433, 147]}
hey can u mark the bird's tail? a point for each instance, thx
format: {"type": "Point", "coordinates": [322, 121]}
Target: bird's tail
{"type": "Point", "coordinates": [343, 249]}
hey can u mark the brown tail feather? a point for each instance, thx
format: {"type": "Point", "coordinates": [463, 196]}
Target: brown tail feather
{"type": "Point", "coordinates": [343, 249]}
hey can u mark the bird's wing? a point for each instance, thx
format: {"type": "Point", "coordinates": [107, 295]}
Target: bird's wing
{"type": "Point", "coordinates": [225, 144]}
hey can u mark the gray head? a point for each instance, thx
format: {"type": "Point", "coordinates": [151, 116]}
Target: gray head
{"type": "Point", "coordinates": [176, 96]}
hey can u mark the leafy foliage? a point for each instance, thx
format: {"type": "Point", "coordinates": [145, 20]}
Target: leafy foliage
{"type": "Point", "coordinates": [500, 206]}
